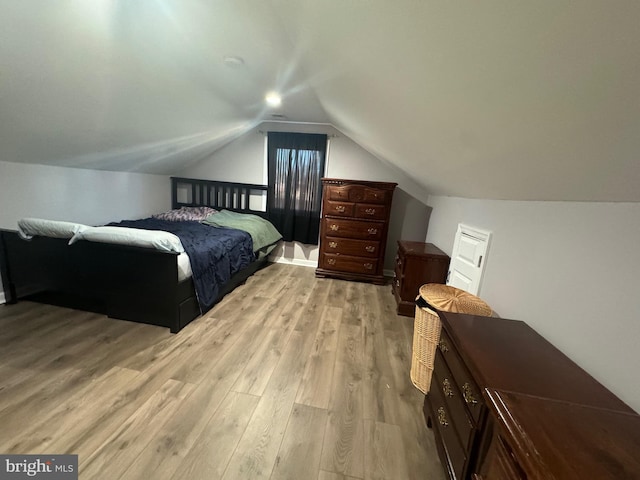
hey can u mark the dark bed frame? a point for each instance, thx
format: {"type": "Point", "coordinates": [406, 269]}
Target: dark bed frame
{"type": "Point", "coordinates": [128, 283]}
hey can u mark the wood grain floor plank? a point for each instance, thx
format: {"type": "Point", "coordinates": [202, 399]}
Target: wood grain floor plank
{"type": "Point", "coordinates": [164, 455]}
{"type": "Point", "coordinates": [209, 457]}
{"type": "Point", "coordinates": [279, 322]}
{"type": "Point", "coordinates": [87, 405]}
{"type": "Point", "coordinates": [299, 454]}
{"type": "Point", "coordinates": [337, 293]}
{"type": "Point", "coordinates": [343, 445]}
{"type": "Point", "coordinates": [120, 449]}
{"type": "Point", "coordinates": [384, 452]}
{"type": "Point", "coordinates": [257, 450]}
{"type": "Point", "coordinates": [214, 343]}
{"type": "Point", "coordinates": [324, 475]}
{"type": "Point", "coordinates": [408, 402]}
{"type": "Point", "coordinates": [315, 387]}
{"type": "Point", "coordinates": [379, 389]}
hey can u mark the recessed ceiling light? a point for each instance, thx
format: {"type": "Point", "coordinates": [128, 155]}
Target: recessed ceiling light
{"type": "Point", "coordinates": [273, 99]}
{"type": "Point", "coordinates": [233, 61]}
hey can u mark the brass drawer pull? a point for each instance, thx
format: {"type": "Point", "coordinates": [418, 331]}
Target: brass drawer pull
{"type": "Point", "coordinates": [340, 208]}
{"type": "Point", "coordinates": [368, 266]}
{"type": "Point", "coordinates": [370, 211]}
{"type": "Point", "coordinates": [446, 387]}
{"type": "Point", "coordinates": [333, 244]}
{"type": "Point", "coordinates": [334, 227]}
{"type": "Point", "coordinates": [372, 231]}
{"type": "Point", "coordinates": [444, 348]}
{"type": "Point", "coordinates": [468, 395]}
{"type": "Point", "coordinates": [442, 417]}
{"type": "Point", "coordinates": [370, 248]}
{"type": "Point", "coordinates": [331, 261]}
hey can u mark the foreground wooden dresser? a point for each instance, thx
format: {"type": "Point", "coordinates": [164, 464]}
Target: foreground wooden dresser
{"type": "Point", "coordinates": [417, 263]}
{"type": "Point", "coordinates": [539, 439]}
{"type": "Point", "coordinates": [490, 376]}
{"type": "Point", "coordinates": [353, 229]}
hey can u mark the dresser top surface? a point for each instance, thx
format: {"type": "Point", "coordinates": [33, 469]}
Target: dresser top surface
{"type": "Point", "coordinates": [364, 183]}
{"type": "Point", "coordinates": [510, 355]}
{"type": "Point", "coordinates": [573, 441]}
{"type": "Point", "coordinates": [420, 249]}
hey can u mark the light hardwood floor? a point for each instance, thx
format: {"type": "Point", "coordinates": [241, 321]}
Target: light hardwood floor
{"type": "Point", "coordinates": [289, 377]}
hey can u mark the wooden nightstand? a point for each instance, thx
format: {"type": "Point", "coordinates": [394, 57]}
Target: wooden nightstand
{"type": "Point", "coordinates": [417, 263]}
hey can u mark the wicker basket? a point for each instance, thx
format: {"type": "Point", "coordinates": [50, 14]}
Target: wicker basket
{"type": "Point", "coordinates": [426, 327]}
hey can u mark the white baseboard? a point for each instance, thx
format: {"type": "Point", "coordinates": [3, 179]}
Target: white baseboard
{"type": "Point", "coordinates": [314, 264]}
{"type": "Point", "coordinates": [295, 261]}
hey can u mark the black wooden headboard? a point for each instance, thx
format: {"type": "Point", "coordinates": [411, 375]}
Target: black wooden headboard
{"type": "Point", "coordinates": [238, 197]}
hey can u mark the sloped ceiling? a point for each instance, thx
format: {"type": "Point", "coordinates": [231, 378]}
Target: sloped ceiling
{"type": "Point", "coordinates": [495, 99]}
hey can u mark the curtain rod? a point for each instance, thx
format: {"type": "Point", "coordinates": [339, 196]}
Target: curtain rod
{"type": "Point", "coordinates": [329, 135]}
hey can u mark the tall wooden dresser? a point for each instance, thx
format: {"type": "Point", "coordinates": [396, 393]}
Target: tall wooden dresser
{"type": "Point", "coordinates": [353, 229]}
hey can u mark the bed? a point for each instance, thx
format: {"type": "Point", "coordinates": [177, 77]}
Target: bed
{"type": "Point", "coordinates": [131, 282]}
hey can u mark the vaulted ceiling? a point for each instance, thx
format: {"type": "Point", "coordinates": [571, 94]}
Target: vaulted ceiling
{"type": "Point", "coordinates": [494, 99]}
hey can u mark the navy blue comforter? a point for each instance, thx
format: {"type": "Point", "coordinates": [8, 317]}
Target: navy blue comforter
{"type": "Point", "coordinates": [215, 253]}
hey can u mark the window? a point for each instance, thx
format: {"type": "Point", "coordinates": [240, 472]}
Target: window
{"type": "Point", "coordinates": [296, 164]}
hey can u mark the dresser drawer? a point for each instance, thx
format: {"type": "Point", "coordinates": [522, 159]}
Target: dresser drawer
{"type": "Point", "coordinates": [463, 379]}
{"type": "Point", "coordinates": [358, 193]}
{"type": "Point", "coordinates": [336, 227]}
{"type": "Point", "coordinates": [456, 405]}
{"type": "Point", "coordinates": [348, 264]}
{"type": "Point", "coordinates": [358, 248]}
{"type": "Point", "coordinates": [341, 209]}
{"type": "Point", "coordinates": [364, 210]}
{"type": "Point", "coordinates": [455, 457]}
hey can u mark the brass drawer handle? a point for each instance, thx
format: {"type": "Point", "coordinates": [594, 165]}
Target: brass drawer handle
{"type": "Point", "coordinates": [370, 211]}
{"type": "Point", "coordinates": [340, 208]}
{"type": "Point", "coordinates": [372, 231]}
{"type": "Point", "coordinates": [442, 417]}
{"type": "Point", "coordinates": [370, 248]}
{"type": "Point", "coordinates": [444, 348]}
{"type": "Point", "coordinates": [368, 266]}
{"type": "Point", "coordinates": [331, 261]}
{"type": "Point", "coordinates": [334, 227]}
{"type": "Point", "coordinates": [468, 395]}
{"type": "Point", "coordinates": [333, 244]}
{"type": "Point", "coordinates": [446, 387]}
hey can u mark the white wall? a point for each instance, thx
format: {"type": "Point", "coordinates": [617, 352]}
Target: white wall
{"type": "Point", "coordinates": [568, 269]}
{"type": "Point", "coordinates": [243, 160]}
{"type": "Point", "coordinates": [79, 195]}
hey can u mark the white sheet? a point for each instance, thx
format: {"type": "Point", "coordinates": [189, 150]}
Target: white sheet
{"type": "Point", "coordinates": [184, 266]}
{"type": "Point", "coordinates": [137, 237]}
{"type": "Point", "coordinates": [30, 227]}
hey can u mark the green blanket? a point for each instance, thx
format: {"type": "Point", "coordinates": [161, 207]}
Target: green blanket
{"type": "Point", "coordinates": [263, 233]}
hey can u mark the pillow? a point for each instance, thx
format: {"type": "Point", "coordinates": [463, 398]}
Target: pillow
{"type": "Point", "coordinates": [136, 237]}
{"type": "Point", "coordinates": [30, 227]}
{"type": "Point", "coordinates": [184, 214]}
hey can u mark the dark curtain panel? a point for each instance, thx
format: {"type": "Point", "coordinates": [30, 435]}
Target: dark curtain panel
{"type": "Point", "coordinates": [296, 165]}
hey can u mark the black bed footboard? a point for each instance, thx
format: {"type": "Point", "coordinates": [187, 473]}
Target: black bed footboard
{"type": "Point", "coordinates": [128, 283]}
